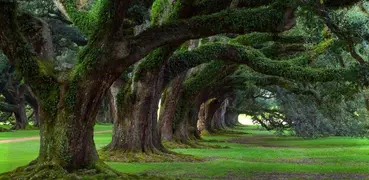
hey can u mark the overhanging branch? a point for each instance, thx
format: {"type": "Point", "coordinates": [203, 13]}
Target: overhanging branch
{"type": "Point", "coordinates": [258, 62]}
{"type": "Point", "coordinates": [265, 19]}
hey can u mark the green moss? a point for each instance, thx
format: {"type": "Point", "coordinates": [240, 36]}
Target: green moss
{"type": "Point", "coordinates": [88, 21]}
{"type": "Point", "coordinates": [252, 39]}
{"type": "Point", "coordinates": [87, 59]}
{"type": "Point", "coordinates": [258, 62]}
{"type": "Point", "coordinates": [151, 62]}
{"type": "Point", "coordinates": [158, 10]}
{"type": "Point", "coordinates": [323, 46]}
{"type": "Point", "coordinates": [181, 109]}
{"type": "Point", "coordinates": [124, 156]}
{"type": "Point", "coordinates": [193, 85]}
{"type": "Point", "coordinates": [47, 91]}
{"type": "Point", "coordinates": [206, 76]}
{"type": "Point", "coordinates": [245, 20]}
{"type": "Point", "coordinates": [211, 6]}
{"type": "Point", "coordinates": [167, 11]}
{"type": "Point", "coordinates": [125, 98]}
{"type": "Point", "coordinates": [97, 171]}
{"type": "Point", "coordinates": [70, 98]}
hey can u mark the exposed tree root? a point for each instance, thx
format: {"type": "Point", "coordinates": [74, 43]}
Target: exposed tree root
{"type": "Point", "coordinates": [120, 155]}
{"type": "Point", "coordinates": [99, 171]}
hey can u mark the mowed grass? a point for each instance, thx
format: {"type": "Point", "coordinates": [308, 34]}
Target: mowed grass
{"type": "Point", "coordinates": [244, 155]}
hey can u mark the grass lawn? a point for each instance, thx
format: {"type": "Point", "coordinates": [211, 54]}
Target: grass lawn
{"type": "Point", "coordinates": [259, 155]}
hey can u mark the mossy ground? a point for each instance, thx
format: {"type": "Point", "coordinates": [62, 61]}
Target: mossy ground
{"type": "Point", "coordinates": [140, 157]}
{"type": "Point", "coordinates": [256, 155]}
{"type": "Point", "coordinates": [194, 144]}
{"type": "Point", "coordinates": [48, 171]}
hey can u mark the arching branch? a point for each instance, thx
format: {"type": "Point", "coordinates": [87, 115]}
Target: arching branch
{"type": "Point", "coordinates": [266, 19]}
{"type": "Point", "coordinates": [258, 62]}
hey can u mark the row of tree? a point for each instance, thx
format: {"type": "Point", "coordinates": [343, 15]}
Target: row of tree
{"type": "Point", "coordinates": [205, 61]}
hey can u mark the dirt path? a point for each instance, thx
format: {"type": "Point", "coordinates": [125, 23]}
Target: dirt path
{"type": "Point", "coordinates": [37, 138]}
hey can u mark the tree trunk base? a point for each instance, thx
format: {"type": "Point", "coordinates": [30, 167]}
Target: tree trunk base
{"type": "Point", "coordinates": [121, 155]}
{"type": "Point", "coordinates": [18, 127]}
{"type": "Point", "coordinates": [97, 171]}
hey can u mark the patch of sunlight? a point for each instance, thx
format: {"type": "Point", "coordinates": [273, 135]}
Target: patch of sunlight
{"type": "Point", "coordinates": [245, 119]}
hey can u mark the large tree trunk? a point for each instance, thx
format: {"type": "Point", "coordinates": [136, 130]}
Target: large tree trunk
{"type": "Point", "coordinates": [136, 129]}
{"type": "Point", "coordinates": [181, 133]}
{"type": "Point", "coordinates": [201, 119]}
{"type": "Point", "coordinates": [185, 129]}
{"type": "Point", "coordinates": [112, 98]}
{"type": "Point", "coordinates": [210, 108]}
{"type": "Point", "coordinates": [66, 127]}
{"type": "Point", "coordinates": [219, 116]}
{"type": "Point", "coordinates": [67, 143]}
{"type": "Point", "coordinates": [195, 112]}
{"type": "Point", "coordinates": [21, 119]}
{"type": "Point", "coordinates": [15, 95]}
{"type": "Point", "coordinates": [231, 116]}
{"type": "Point", "coordinates": [168, 107]}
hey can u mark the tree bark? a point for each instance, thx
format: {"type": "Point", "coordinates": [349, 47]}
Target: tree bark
{"type": "Point", "coordinates": [201, 119]}
{"type": "Point", "coordinates": [112, 96]}
{"type": "Point", "coordinates": [219, 116]}
{"type": "Point", "coordinates": [231, 118]}
{"type": "Point", "coordinates": [136, 129]}
{"type": "Point", "coordinates": [21, 119]}
{"type": "Point", "coordinates": [185, 127]}
{"type": "Point", "coordinates": [15, 95]}
{"type": "Point", "coordinates": [168, 107]}
{"type": "Point", "coordinates": [210, 109]}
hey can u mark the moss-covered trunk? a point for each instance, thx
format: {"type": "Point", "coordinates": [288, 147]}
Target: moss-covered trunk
{"type": "Point", "coordinates": [182, 132]}
{"type": "Point", "coordinates": [231, 115]}
{"type": "Point", "coordinates": [168, 107]}
{"type": "Point", "coordinates": [67, 117]}
{"type": "Point", "coordinates": [21, 120]}
{"type": "Point", "coordinates": [219, 116]}
{"type": "Point", "coordinates": [136, 129]}
{"type": "Point", "coordinates": [14, 94]}
{"type": "Point", "coordinates": [196, 112]}
{"type": "Point", "coordinates": [66, 141]}
{"type": "Point", "coordinates": [231, 118]}
{"type": "Point", "coordinates": [210, 108]}
{"type": "Point", "coordinates": [185, 122]}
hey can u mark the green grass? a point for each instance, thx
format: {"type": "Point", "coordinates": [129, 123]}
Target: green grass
{"type": "Point", "coordinates": [263, 153]}
{"type": "Point", "coordinates": [19, 134]}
